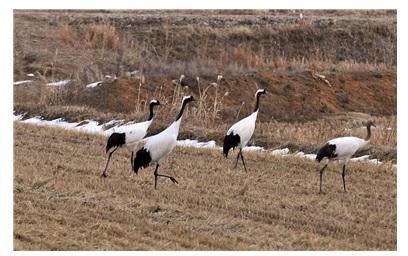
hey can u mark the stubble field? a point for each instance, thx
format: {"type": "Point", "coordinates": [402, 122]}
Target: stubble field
{"type": "Point", "coordinates": [62, 203]}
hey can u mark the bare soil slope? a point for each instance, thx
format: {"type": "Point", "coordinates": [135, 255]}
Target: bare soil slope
{"type": "Point", "coordinates": [354, 50]}
{"type": "Point", "coordinates": [61, 203]}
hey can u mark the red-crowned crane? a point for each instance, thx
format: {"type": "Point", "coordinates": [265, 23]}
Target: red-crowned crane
{"type": "Point", "coordinates": [342, 148]}
{"type": "Point", "coordinates": [129, 135]}
{"type": "Point", "coordinates": [158, 146]}
{"type": "Point", "coordinates": [240, 133]}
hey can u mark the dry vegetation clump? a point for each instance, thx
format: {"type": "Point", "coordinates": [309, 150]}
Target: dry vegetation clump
{"type": "Point", "coordinates": [296, 96]}
{"type": "Point", "coordinates": [61, 203]}
{"type": "Point", "coordinates": [92, 36]}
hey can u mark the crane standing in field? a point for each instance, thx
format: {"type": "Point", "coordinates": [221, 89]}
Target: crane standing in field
{"type": "Point", "coordinates": [342, 148]}
{"type": "Point", "coordinates": [240, 133]}
{"type": "Point", "coordinates": [129, 135]}
{"type": "Point", "coordinates": [160, 145]}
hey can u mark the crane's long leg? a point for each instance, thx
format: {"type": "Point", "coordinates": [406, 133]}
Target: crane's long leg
{"type": "Point", "coordinates": [106, 167]}
{"type": "Point", "coordinates": [236, 162]}
{"type": "Point", "coordinates": [343, 175]}
{"type": "Point", "coordinates": [321, 176]}
{"type": "Point", "coordinates": [131, 161]}
{"type": "Point", "coordinates": [242, 158]}
{"type": "Point", "coordinates": [156, 174]}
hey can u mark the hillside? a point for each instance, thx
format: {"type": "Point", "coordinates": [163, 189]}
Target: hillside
{"type": "Point", "coordinates": [355, 51]}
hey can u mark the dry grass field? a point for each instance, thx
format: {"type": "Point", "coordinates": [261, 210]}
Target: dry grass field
{"type": "Point", "coordinates": [61, 203]}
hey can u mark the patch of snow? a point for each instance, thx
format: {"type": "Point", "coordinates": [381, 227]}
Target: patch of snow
{"type": "Point", "coordinates": [92, 85]}
{"type": "Point", "coordinates": [31, 75]}
{"type": "Point", "coordinates": [60, 122]}
{"type": "Point", "coordinates": [366, 158]}
{"type": "Point", "coordinates": [280, 152]}
{"type": "Point", "coordinates": [59, 83]}
{"type": "Point", "coordinates": [33, 120]}
{"type": "Point", "coordinates": [196, 144]}
{"type": "Point", "coordinates": [375, 161]}
{"type": "Point", "coordinates": [18, 117]}
{"type": "Point", "coordinates": [89, 127]}
{"type": "Point", "coordinates": [22, 82]}
{"type": "Point", "coordinates": [253, 148]}
{"type": "Point", "coordinates": [361, 158]}
{"type": "Point", "coordinates": [308, 156]}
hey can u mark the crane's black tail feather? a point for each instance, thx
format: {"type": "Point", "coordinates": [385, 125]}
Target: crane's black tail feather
{"type": "Point", "coordinates": [230, 141]}
{"type": "Point", "coordinates": [327, 150]}
{"type": "Point", "coordinates": [142, 159]}
{"type": "Point", "coordinates": [115, 140]}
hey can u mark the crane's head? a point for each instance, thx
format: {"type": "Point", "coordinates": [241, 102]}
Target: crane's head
{"type": "Point", "coordinates": [260, 92]}
{"type": "Point", "coordinates": [181, 77]}
{"type": "Point", "coordinates": [187, 99]}
{"type": "Point", "coordinates": [370, 123]}
{"type": "Point", "coordinates": [154, 103]}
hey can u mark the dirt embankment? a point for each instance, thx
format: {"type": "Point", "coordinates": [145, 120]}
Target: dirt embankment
{"type": "Point", "coordinates": [296, 96]}
{"type": "Point", "coordinates": [276, 50]}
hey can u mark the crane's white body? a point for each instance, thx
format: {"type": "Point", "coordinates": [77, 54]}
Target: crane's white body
{"type": "Point", "coordinates": [161, 144]}
{"type": "Point", "coordinates": [129, 136]}
{"type": "Point", "coordinates": [134, 133]}
{"type": "Point", "coordinates": [346, 147]}
{"type": "Point", "coordinates": [244, 128]}
{"type": "Point", "coordinates": [342, 149]}
{"type": "Point", "coordinates": [158, 146]}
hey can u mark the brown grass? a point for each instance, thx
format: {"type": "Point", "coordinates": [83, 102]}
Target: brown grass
{"type": "Point", "coordinates": [61, 203]}
{"type": "Point", "coordinates": [163, 44]}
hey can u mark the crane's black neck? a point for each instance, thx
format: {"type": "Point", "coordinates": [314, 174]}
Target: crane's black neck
{"type": "Point", "coordinates": [368, 132]}
{"type": "Point", "coordinates": [257, 102]}
{"type": "Point", "coordinates": [180, 114]}
{"type": "Point", "coordinates": [151, 112]}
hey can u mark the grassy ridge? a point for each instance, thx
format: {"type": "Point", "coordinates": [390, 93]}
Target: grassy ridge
{"type": "Point", "coordinates": [91, 44]}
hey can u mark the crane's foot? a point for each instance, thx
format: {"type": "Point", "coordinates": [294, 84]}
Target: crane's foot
{"type": "Point", "coordinates": [174, 180]}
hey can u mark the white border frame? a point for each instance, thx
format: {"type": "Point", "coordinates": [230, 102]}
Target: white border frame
{"type": "Point", "coordinates": [6, 102]}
